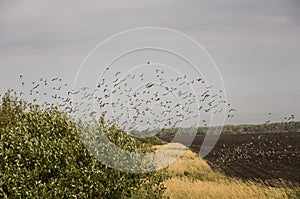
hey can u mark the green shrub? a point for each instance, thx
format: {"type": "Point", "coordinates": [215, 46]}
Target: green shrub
{"type": "Point", "coordinates": [42, 156]}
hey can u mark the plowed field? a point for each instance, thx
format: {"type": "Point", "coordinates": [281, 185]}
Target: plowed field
{"type": "Point", "coordinates": [260, 157]}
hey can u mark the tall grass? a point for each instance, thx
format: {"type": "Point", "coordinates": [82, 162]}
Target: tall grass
{"type": "Point", "coordinates": [192, 177]}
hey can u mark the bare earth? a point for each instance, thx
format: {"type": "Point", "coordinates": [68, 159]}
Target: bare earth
{"type": "Point", "coordinates": [259, 157]}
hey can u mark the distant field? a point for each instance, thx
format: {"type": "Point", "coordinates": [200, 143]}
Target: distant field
{"type": "Point", "coordinates": [267, 157]}
{"type": "Point", "coordinates": [192, 177]}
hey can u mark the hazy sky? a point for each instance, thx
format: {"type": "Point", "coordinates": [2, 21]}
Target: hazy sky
{"type": "Point", "coordinates": [256, 44]}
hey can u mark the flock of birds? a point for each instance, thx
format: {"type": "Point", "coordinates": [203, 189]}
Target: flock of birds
{"type": "Point", "coordinates": [136, 100]}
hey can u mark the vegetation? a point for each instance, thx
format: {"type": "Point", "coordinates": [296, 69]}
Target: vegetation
{"type": "Point", "coordinates": [42, 156]}
{"type": "Point", "coordinates": [192, 177]}
{"type": "Point", "coordinates": [279, 127]}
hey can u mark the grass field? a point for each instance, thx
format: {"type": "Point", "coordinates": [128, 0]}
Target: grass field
{"type": "Point", "coordinates": [192, 177]}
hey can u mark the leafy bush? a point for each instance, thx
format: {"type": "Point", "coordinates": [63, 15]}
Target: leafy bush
{"type": "Point", "coordinates": [42, 156]}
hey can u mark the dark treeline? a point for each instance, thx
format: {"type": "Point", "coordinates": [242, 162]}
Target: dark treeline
{"type": "Point", "coordinates": [292, 126]}
{"type": "Point", "coordinates": [278, 127]}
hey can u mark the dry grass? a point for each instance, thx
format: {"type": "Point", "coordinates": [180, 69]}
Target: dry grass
{"type": "Point", "coordinates": [193, 167]}
{"type": "Point", "coordinates": [192, 177]}
{"type": "Point", "coordinates": [183, 187]}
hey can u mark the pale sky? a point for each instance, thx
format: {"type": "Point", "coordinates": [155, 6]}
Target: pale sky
{"type": "Point", "coordinates": [256, 44]}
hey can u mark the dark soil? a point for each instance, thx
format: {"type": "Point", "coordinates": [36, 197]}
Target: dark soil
{"type": "Point", "coordinates": [268, 158]}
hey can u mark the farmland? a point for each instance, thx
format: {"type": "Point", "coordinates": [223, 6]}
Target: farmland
{"type": "Point", "coordinates": [192, 177]}
{"type": "Point", "coordinates": [262, 157]}
{"type": "Point", "coordinates": [43, 156]}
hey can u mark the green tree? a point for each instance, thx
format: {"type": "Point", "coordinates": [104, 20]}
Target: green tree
{"type": "Point", "coordinates": [42, 156]}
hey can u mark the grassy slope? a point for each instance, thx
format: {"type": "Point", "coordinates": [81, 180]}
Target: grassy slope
{"type": "Point", "coordinates": [192, 177]}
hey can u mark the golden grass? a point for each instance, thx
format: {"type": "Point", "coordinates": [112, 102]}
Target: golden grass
{"type": "Point", "coordinates": [183, 187]}
{"type": "Point", "coordinates": [193, 167]}
{"type": "Point", "coordinates": [192, 177]}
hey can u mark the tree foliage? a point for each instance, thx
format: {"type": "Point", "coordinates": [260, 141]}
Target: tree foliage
{"type": "Point", "coordinates": [42, 156]}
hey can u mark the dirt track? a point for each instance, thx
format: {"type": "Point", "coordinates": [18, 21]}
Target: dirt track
{"type": "Point", "coordinates": [259, 157]}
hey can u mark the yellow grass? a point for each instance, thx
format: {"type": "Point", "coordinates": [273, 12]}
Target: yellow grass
{"type": "Point", "coordinates": [190, 165]}
{"type": "Point", "coordinates": [183, 187]}
{"type": "Point", "coordinates": [192, 177]}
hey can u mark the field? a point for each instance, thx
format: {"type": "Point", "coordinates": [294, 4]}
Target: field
{"type": "Point", "coordinates": [42, 155]}
{"type": "Point", "coordinates": [268, 158]}
{"type": "Point", "coordinates": [192, 177]}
